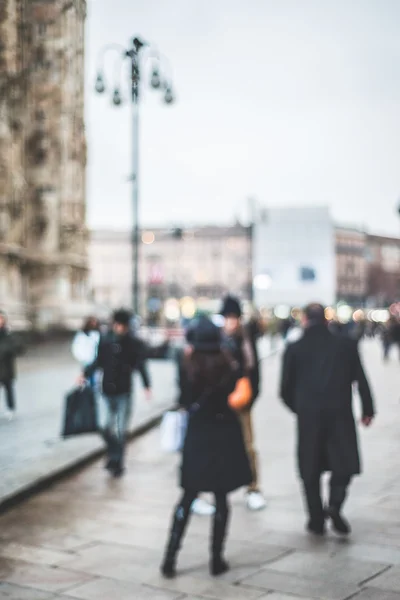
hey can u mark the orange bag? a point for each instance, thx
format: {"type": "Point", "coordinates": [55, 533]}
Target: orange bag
{"type": "Point", "coordinates": [241, 395]}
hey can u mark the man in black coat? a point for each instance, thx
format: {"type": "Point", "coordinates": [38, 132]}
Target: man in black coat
{"type": "Point", "coordinates": [318, 373]}
{"type": "Point", "coordinates": [119, 355]}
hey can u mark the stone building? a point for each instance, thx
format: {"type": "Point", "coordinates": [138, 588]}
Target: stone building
{"type": "Point", "coordinates": [43, 236]}
{"type": "Point", "coordinates": [351, 266]}
{"type": "Point", "coordinates": [384, 270]}
{"type": "Point", "coordinates": [202, 263]}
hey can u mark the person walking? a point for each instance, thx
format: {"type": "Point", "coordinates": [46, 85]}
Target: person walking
{"type": "Point", "coordinates": [85, 345]}
{"type": "Point", "coordinates": [316, 385]}
{"type": "Point", "coordinates": [119, 355]}
{"type": "Point", "coordinates": [244, 351]}
{"type": "Point", "coordinates": [9, 350]}
{"type": "Point", "coordinates": [214, 456]}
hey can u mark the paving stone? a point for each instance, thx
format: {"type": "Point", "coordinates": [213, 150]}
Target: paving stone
{"type": "Point", "coordinates": [371, 553]}
{"type": "Point", "coordinates": [388, 581]}
{"type": "Point", "coordinates": [106, 589]}
{"type": "Point", "coordinates": [104, 559]}
{"type": "Point", "coordinates": [39, 577]}
{"type": "Point", "coordinates": [278, 596]}
{"type": "Point", "coordinates": [15, 592]}
{"type": "Point", "coordinates": [272, 581]}
{"type": "Point", "coordinates": [33, 554]}
{"type": "Point", "coordinates": [329, 568]}
{"type": "Point", "coordinates": [375, 594]}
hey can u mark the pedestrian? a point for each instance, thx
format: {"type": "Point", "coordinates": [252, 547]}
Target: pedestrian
{"type": "Point", "coordinates": [317, 378]}
{"type": "Point", "coordinates": [85, 345]}
{"type": "Point", "coordinates": [214, 456]}
{"type": "Point", "coordinates": [119, 355]}
{"type": "Point", "coordinates": [391, 336]}
{"type": "Point", "coordinates": [200, 506]}
{"type": "Point", "coordinates": [238, 342]}
{"type": "Point", "coordinates": [9, 350]}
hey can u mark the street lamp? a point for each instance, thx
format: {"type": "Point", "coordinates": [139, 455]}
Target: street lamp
{"type": "Point", "coordinates": [138, 54]}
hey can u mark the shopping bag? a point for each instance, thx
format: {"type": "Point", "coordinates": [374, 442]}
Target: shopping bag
{"type": "Point", "coordinates": [173, 430]}
{"type": "Point", "coordinates": [80, 412]}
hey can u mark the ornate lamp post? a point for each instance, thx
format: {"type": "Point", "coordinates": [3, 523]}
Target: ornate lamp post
{"type": "Point", "coordinates": [139, 54]}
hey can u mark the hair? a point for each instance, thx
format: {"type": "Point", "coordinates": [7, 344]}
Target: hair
{"type": "Point", "coordinates": [87, 324]}
{"type": "Point", "coordinates": [208, 368]}
{"type": "Point", "coordinates": [315, 314]}
{"type": "Point", "coordinates": [122, 317]}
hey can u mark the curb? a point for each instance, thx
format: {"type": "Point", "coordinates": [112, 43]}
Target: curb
{"type": "Point", "coordinates": [52, 478]}
{"type": "Point", "coordinates": [55, 476]}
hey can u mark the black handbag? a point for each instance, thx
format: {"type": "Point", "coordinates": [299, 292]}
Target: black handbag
{"type": "Point", "coordinates": [80, 412]}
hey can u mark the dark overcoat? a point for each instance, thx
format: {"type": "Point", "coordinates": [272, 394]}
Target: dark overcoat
{"type": "Point", "coordinates": [214, 457]}
{"type": "Point", "coordinates": [9, 350]}
{"type": "Point", "coordinates": [317, 383]}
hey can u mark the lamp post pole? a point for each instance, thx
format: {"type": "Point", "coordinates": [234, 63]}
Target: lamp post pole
{"type": "Point", "coordinates": [135, 82]}
{"type": "Point", "coordinates": [139, 50]}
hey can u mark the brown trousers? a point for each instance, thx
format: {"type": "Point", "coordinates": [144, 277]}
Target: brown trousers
{"type": "Point", "coordinates": [248, 435]}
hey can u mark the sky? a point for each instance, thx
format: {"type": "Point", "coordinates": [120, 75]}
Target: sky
{"type": "Point", "coordinates": [288, 102]}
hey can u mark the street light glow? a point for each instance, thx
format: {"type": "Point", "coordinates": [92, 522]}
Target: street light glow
{"type": "Point", "coordinates": [263, 281]}
{"type": "Point", "coordinates": [148, 237]}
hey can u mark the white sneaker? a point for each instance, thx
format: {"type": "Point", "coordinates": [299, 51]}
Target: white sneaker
{"type": "Point", "coordinates": [255, 501]}
{"type": "Point", "coordinates": [202, 507]}
{"type": "Point", "coordinates": [9, 415]}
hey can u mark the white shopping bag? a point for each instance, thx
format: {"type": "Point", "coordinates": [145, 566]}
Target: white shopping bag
{"type": "Point", "coordinates": [173, 430]}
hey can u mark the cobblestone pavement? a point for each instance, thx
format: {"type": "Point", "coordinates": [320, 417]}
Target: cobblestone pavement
{"type": "Point", "coordinates": [92, 538]}
{"type": "Point", "coordinates": [31, 446]}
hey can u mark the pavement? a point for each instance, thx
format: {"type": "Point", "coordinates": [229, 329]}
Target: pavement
{"type": "Point", "coordinates": [89, 537]}
{"type": "Point", "coordinates": [31, 449]}
{"type": "Point", "coordinates": [32, 453]}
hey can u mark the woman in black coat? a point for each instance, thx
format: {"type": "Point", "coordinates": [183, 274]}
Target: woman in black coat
{"type": "Point", "coordinates": [214, 456]}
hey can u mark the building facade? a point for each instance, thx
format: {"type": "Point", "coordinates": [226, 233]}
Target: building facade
{"type": "Point", "coordinates": [294, 257]}
{"type": "Point", "coordinates": [43, 238]}
{"type": "Point", "coordinates": [352, 266]}
{"type": "Point", "coordinates": [200, 263]}
{"type": "Point", "coordinates": [383, 270]}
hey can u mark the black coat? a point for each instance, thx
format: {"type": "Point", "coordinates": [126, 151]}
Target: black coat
{"type": "Point", "coordinates": [318, 373]}
{"type": "Point", "coordinates": [9, 350]}
{"type": "Point", "coordinates": [214, 456]}
{"type": "Point", "coordinates": [118, 357]}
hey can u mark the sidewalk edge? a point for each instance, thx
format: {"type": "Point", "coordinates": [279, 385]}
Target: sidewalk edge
{"type": "Point", "coordinates": [46, 481]}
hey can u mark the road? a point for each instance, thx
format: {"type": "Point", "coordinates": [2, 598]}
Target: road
{"type": "Point", "coordinates": [92, 538]}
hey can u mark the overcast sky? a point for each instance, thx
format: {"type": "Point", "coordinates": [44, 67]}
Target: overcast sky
{"type": "Point", "coordinates": [291, 102]}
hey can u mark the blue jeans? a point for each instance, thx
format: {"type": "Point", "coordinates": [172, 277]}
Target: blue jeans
{"type": "Point", "coordinates": [117, 421]}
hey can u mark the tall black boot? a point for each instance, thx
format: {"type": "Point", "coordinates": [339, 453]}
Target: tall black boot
{"type": "Point", "coordinates": [180, 520]}
{"type": "Point", "coordinates": [218, 564]}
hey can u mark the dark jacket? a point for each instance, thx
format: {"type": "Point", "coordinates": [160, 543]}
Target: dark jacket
{"type": "Point", "coordinates": [317, 377]}
{"type": "Point", "coordinates": [118, 357]}
{"type": "Point", "coordinates": [9, 350]}
{"type": "Point", "coordinates": [254, 333]}
{"type": "Point", "coordinates": [214, 456]}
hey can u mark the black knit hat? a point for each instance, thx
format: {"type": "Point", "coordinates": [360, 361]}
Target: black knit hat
{"type": "Point", "coordinates": [204, 336]}
{"type": "Point", "coordinates": [231, 307]}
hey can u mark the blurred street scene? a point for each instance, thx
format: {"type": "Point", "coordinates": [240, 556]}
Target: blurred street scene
{"type": "Point", "coordinates": [90, 538]}
{"type": "Point", "coordinates": [183, 188]}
